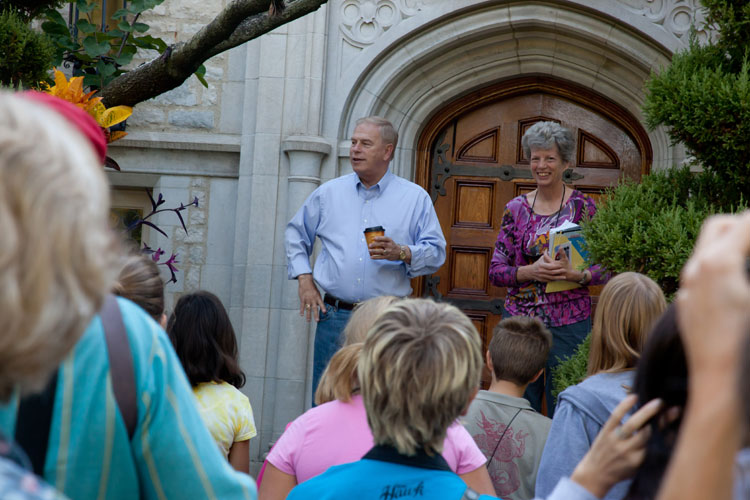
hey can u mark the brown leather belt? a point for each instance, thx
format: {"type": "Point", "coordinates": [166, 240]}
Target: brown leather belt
{"type": "Point", "coordinates": [338, 303]}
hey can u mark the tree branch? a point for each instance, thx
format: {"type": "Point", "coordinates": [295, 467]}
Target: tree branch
{"type": "Point", "coordinates": [240, 22]}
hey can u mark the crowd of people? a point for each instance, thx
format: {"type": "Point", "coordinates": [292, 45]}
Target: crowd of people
{"type": "Point", "coordinates": [107, 396]}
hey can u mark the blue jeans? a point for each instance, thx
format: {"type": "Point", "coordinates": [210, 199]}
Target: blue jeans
{"type": "Point", "coordinates": [327, 340]}
{"type": "Point", "coordinates": [565, 341]}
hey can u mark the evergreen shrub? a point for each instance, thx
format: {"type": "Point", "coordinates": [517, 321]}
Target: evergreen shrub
{"type": "Point", "coordinates": [651, 227]}
{"type": "Point", "coordinates": [572, 370]}
{"type": "Point", "coordinates": [25, 55]}
{"type": "Point", "coordinates": [706, 106]}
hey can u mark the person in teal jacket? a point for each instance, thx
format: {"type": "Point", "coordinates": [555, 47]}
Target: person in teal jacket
{"type": "Point", "coordinates": [56, 268]}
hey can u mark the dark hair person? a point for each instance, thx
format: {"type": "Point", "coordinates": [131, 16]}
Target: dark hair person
{"type": "Point", "coordinates": [204, 339]}
{"type": "Point", "coordinates": [521, 261]}
{"type": "Point", "coordinates": [662, 373]}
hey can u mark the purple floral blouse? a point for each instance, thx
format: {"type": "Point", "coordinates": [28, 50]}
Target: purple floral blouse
{"type": "Point", "coordinates": [523, 234]}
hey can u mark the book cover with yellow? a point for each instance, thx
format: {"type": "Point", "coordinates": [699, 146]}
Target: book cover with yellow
{"type": "Point", "coordinates": [569, 239]}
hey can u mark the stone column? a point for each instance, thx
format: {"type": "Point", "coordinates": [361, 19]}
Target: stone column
{"type": "Point", "coordinates": [280, 165]}
{"type": "Point", "coordinates": [295, 336]}
{"type": "Point", "coordinates": [306, 154]}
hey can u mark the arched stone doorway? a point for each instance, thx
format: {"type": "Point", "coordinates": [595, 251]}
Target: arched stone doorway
{"type": "Point", "coordinates": [470, 160]}
{"type": "Point", "coordinates": [410, 73]}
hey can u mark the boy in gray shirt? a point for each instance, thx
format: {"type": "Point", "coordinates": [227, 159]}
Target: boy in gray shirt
{"type": "Point", "coordinates": [504, 425]}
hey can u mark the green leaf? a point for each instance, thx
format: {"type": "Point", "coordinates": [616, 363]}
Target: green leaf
{"type": "Point", "coordinates": [150, 42]}
{"type": "Point", "coordinates": [68, 44]}
{"type": "Point", "coordinates": [56, 17]}
{"type": "Point", "coordinates": [121, 13]}
{"type": "Point", "coordinates": [200, 74]}
{"type": "Point", "coordinates": [84, 7]}
{"type": "Point", "coordinates": [140, 27]}
{"type": "Point", "coordinates": [124, 58]}
{"type": "Point", "coordinates": [85, 27]}
{"type": "Point", "coordinates": [150, 4]}
{"type": "Point", "coordinates": [53, 28]}
{"type": "Point", "coordinates": [94, 48]}
{"type": "Point", "coordinates": [92, 81]}
{"type": "Point", "coordinates": [136, 7]}
{"type": "Point", "coordinates": [105, 69]}
{"type": "Point", "coordinates": [125, 26]}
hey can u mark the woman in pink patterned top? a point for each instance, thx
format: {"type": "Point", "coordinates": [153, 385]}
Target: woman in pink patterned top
{"type": "Point", "coordinates": [521, 261]}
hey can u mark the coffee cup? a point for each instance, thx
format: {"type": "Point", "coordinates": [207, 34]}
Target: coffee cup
{"type": "Point", "coordinates": [373, 232]}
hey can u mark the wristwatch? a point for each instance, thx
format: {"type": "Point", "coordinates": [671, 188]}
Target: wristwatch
{"type": "Point", "coordinates": [585, 279]}
{"type": "Point", "coordinates": [402, 255]}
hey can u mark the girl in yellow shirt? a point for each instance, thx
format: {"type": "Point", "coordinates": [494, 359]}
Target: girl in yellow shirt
{"type": "Point", "coordinates": [204, 339]}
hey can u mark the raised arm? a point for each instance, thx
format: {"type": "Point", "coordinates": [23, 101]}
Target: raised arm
{"type": "Point", "coordinates": [713, 310]}
{"type": "Point", "coordinates": [615, 454]}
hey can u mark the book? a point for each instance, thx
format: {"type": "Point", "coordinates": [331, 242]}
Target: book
{"type": "Point", "coordinates": [568, 238]}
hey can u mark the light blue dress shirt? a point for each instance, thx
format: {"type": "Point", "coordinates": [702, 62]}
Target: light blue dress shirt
{"type": "Point", "coordinates": [338, 213]}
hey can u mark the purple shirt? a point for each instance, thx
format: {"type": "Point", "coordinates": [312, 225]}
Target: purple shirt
{"type": "Point", "coordinates": [524, 232]}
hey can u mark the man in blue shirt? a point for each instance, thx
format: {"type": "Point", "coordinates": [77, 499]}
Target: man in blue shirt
{"type": "Point", "coordinates": [347, 269]}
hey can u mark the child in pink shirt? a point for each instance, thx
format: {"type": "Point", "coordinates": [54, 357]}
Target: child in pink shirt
{"type": "Point", "coordinates": [337, 433]}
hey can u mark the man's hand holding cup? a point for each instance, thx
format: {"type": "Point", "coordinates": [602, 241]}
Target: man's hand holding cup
{"type": "Point", "coordinates": [382, 247]}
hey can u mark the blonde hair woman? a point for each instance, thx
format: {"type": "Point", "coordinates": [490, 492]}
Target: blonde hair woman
{"type": "Point", "coordinates": [339, 380]}
{"type": "Point", "coordinates": [628, 306]}
{"type": "Point", "coordinates": [336, 431]}
{"type": "Point", "coordinates": [56, 258]}
{"type": "Point", "coordinates": [57, 264]}
{"type": "Point", "coordinates": [364, 316]}
{"type": "Point", "coordinates": [55, 252]}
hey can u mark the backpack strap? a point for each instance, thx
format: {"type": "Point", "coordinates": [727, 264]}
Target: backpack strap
{"type": "Point", "coordinates": [120, 363]}
{"type": "Point", "coordinates": [470, 494]}
{"type": "Point", "coordinates": [34, 416]}
{"type": "Point", "coordinates": [33, 423]}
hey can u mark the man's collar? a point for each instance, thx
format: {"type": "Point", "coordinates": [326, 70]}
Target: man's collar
{"type": "Point", "coordinates": [381, 184]}
{"type": "Point", "coordinates": [386, 453]}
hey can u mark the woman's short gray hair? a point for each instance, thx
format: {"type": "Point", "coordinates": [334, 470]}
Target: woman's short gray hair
{"type": "Point", "coordinates": [56, 250]}
{"type": "Point", "coordinates": [544, 135]}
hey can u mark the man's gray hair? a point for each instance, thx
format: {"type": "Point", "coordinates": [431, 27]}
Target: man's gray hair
{"type": "Point", "coordinates": [545, 135]}
{"type": "Point", "coordinates": [387, 131]}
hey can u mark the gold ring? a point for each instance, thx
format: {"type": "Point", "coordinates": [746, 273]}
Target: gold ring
{"type": "Point", "coordinates": [307, 306]}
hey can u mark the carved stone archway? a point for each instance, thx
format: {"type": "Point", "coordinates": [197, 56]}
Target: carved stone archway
{"type": "Point", "coordinates": [418, 64]}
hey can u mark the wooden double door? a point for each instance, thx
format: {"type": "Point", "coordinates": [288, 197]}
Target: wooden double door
{"type": "Point", "coordinates": [471, 162]}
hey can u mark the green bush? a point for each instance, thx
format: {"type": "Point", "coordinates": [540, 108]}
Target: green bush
{"type": "Point", "coordinates": [29, 9]}
{"type": "Point", "coordinates": [731, 19]}
{"type": "Point", "coordinates": [706, 106]}
{"type": "Point", "coordinates": [25, 56]}
{"type": "Point", "coordinates": [703, 97]}
{"type": "Point", "coordinates": [572, 370]}
{"type": "Point", "coordinates": [651, 227]}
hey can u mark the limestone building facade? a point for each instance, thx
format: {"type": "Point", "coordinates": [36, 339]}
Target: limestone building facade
{"type": "Point", "coordinates": [276, 118]}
